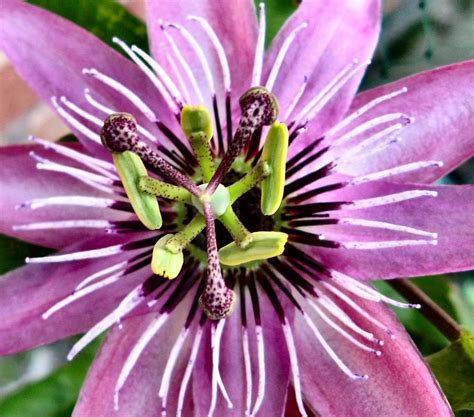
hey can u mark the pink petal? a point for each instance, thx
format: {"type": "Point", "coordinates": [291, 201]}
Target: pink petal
{"type": "Point", "coordinates": [50, 53]}
{"type": "Point", "coordinates": [235, 25]}
{"type": "Point", "coordinates": [22, 181]}
{"type": "Point", "coordinates": [449, 214]}
{"type": "Point", "coordinates": [28, 292]}
{"type": "Point", "coordinates": [337, 33]}
{"type": "Point", "coordinates": [442, 103]}
{"type": "Point", "coordinates": [399, 383]}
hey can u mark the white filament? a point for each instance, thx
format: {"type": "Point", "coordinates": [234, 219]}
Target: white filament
{"type": "Point", "coordinates": [282, 54]}
{"type": "Point", "coordinates": [133, 299]}
{"type": "Point", "coordinates": [387, 244]}
{"type": "Point", "coordinates": [177, 73]}
{"type": "Point", "coordinates": [188, 371]}
{"type": "Point", "coordinates": [135, 354]}
{"type": "Point", "coordinates": [260, 46]}
{"type": "Point", "coordinates": [84, 130]}
{"type": "Point", "coordinates": [389, 199]}
{"type": "Point", "coordinates": [101, 273]}
{"type": "Point", "coordinates": [77, 256]}
{"type": "Point", "coordinates": [64, 224]}
{"type": "Point", "coordinates": [290, 343]}
{"type": "Point", "coordinates": [364, 109]}
{"type": "Point", "coordinates": [248, 370]}
{"type": "Point", "coordinates": [261, 370]}
{"type": "Point", "coordinates": [124, 91]}
{"type": "Point", "coordinates": [219, 49]}
{"type": "Point", "coordinates": [73, 200]}
{"type": "Point", "coordinates": [295, 100]}
{"type": "Point", "coordinates": [387, 226]}
{"type": "Point", "coordinates": [402, 169]}
{"type": "Point", "coordinates": [170, 363]}
{"type": "Point", "coordinates": [184, 64]}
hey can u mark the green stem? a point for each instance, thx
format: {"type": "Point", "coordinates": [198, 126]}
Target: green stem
{"type": "Point", "coordinates": [432, 311]}
{"type": "Point", "coordinates": [182, 239]}
{"type": "Point", "coordinates": [251, 180]}
{"type": "Point", "coordinates": [159, 188]}
{"type": "Point", "coordinates": [235, 227]}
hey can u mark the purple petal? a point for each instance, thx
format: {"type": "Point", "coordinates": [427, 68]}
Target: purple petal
{"type": "Point", "coordinates": [50, 53]}
{"type": "Point", "coordinates": [235, 25]}
{"type": "Point", "coordinates": [399, 383]}
{"type": "Point", "coordinates": [28, 292]}
{"type": "Point", "coordinates": [449, 215]}
{"type": "Point", "coordinates": [22, 181]}
{"type": "Point", "coordinates": [338, 32]}
{"type": "Point", "coordinates": [442, 104]}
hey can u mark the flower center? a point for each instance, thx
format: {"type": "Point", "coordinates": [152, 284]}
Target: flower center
{"type": "Point", "coordinates": [206, 197]}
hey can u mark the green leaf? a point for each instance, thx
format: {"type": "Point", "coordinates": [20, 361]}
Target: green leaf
{"type": "Point", "coordinates": [454, 369]}
{"type": "Point", "coordinates": [104, 18]}
{"type": "Point", "coordinates": [277, 11]}
{"type": "Point", "coordinates": [53, 396]}
{"type": "Point", "coordinates": [13, 253]}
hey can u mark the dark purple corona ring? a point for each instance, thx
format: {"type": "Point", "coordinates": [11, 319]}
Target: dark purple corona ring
{"type": "Point", "coordinates": [211, 307]}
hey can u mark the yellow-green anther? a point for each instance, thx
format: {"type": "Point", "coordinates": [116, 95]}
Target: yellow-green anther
{"type": "Point", "coordinates": [237, 230]}
{"type": "Point", "coordinates": [159, 188]}
{"type": "Point", "coordinates": [196, 119]}
{"type": "Point", "coordinates": [274, 154]}
{"type": "Point", "coordinates": [246, 183]}
{"type": "Point", "coordinates": [164, 262]}
{"type": "Point", "coordinates": [180, 240]}
{"type": "Point", "coordinates": [220, 200]}
{"type": "Point", "coordinates": [200, 145]}
{"type": "Point", "coordinates": [265, 245]}
{"type": "Point", "coordinates": [130, 169]}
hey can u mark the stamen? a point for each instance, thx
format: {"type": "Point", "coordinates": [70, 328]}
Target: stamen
{"type": "Point", "coordinates": [389, 199]}
{"type": "Point", "coordinates": [282, 53]}
{"type": "Point", "coordinates": [364, 109]}
{"type": "Point", "coordinates": [328, 92]}
{"type": "Point", "coordinates": [386, 226]}
{"type": "Point", "coordinates": [132, 300]}
{"type": "Point", "coordinates": [170, 363]}
{"type": "Point", "coordinates": [84, 130]}
{"type": "Point", "coordinates": [101, 273]}
{"type": "Point", "coordinates": [199, 53]}
{"type": "Point", "coordinates": [124, 91]}
{"type": "Point", "coordinates": [188, 371]}
{"type": "Point", "coordinates": [184, 64]}
{"type": "Point", "coordinates": [64, 224]}
{"type": "Point", "coordinates": [386, 244]}
{"type": "Point", "coordinates": [78, 294]}
{"type": "Point", "coordinates": [219, 49]}
{"type": "Point", "coordinates": [290, 343]}
{"type": "Point", "coordinates": [135, 354]}
{"type": "Point", "coordinates": [150, 74]}
{"type": "Point", "coordinates": [402, 169]}
{"type": "Point", "coordinates": [295, 100]}
{"type": "Point", "coordinates": [370, 124]}
{"type": "Point", "coordinates": [77, 256]}
{"type": "Point", "coordinates": [342, 366]}
{"type": "Point", "coordinates": [343, 332]}
{"type": "Point", "coordinates": [260, 47]}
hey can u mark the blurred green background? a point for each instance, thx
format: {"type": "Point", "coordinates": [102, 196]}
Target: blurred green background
{"type": "Point", "coordinates": [416, 36]}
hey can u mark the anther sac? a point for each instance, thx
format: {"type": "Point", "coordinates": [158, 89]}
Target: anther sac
{"type": "Point", "coordinates": [242, 203]}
